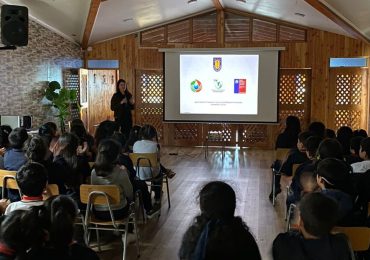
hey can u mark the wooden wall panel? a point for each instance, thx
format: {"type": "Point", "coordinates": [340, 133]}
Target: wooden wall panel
{"type": "Point", "coordinates": [313, 53]}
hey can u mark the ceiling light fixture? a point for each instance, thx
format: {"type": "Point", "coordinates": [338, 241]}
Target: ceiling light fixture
{"type": "Point", "coordinates": [128, 19]}
{"type": "Point", "coordinates": [192, 1]}
{"type": "Point", "coordinates": [300, 14]}
{"type": "Point", "coordinates": [242, 1]}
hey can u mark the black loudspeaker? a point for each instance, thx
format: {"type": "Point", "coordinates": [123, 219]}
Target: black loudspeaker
{"type": "Point", "coordinates": [14, 25]}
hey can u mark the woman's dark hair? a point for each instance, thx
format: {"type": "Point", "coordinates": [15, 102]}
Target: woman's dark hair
{"type": "Point", "coordinates": [80, 132]}
{"type": "Point", "coordinates": [216, 233]}
{"type": "Point", "coordinates": [127, 93]}
{"type": "Point", "coordinates": [360, 132]}
{"type": "Point", "coordinates": [365, 146]}
{"type": "Point", "coordinates": [77, 121]}
{"type": "Point", "coordinates": [336, 174]}
{"type": "Point", "coordinates": [60, 215]}
{"type": "Point", "coordinates": [105, 130]}
{"type": "Point", "coordinates": [311, 144]}
{"type": "Point", "coordinates": [292, 126]}
{"type": "Point", "coordinates": [319, 213]}
{"type": "Point", "coordinates": [303, 136]}
{"type": "Point", "coordinates": [330, 148]}
{"type": "Point", "coordinates": [344, 135]}
{"type": "Point", "coordinates": [132, 137]}
{"type": "Point", "coordinates": [5, 131]}
{"type": "Point", "coordinates": [17, 137]}
{"type": "Point", "coordinates": [36, 149]}
{"type": "Point", "coordinates": [69, 144]}
{"type": "Point", "coordinates": [21, 230]}
{"type": "Point", "coordinates": [356, 143]}
{"type": "Point", "coordinates": [317, 128]}
{"type": "Point", "coordinates": [53, 127]}
{"type": "Point", "coordinates": [148, 132]}
{"type": "Point", "coordinates": [106, 159]}
{"type": "Point", "coordinates": [46, 133]}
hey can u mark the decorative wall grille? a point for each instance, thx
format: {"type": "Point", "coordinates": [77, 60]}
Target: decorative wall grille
{"type": "Point", "coordinates": [71, 80]}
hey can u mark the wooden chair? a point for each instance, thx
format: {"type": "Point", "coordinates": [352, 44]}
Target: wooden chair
{"type": "Point", "coordinates": [294, 169]}
{"type": "Point", "coordinates": [106, 195]}
{"type": "Point", "coordinates": [91, 164]}
{"type": "Point", "coordinates": [280, 155]}
{"type": "Point", "coordinates": [8, 181]}
{"type": "Point", "coordinates": [359, 237]}
{"type": "Point", "coordinates": [151, 161]}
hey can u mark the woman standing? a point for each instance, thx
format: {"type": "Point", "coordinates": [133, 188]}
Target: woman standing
{"type": "Point", "coordinates": [122, 103]}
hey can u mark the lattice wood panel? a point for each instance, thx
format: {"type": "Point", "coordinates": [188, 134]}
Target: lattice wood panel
{"type": "Point", "coordinates": [227, 131]}
{"type": "Point", "coordinates": [205, 28]}
{"type": "Point", "coordinates": [294, 94]}
{"type": "Point", "coordinates": [149, 98]}
{"type": "Point", "coordinates": [71, 80]}
{"type": "Point", "coordinates": [348, 98]}
{"type": "Point", "coordinates": [264, 31]}
{"type": "Point", "coordinates": [237, 28]}
{"type": "Point", "coordinates": [254, 135]}
{"type": "Point", "coordinates": [179, 32]}
{"type": "Point", "coordinates": [287, 34]}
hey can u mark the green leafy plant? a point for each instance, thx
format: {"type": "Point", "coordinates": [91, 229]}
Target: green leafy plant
{"type": "Point", "coordinates": [60, 98]}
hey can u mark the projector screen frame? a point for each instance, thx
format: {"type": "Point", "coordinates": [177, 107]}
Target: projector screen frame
{"type": "Point", "coordinates": [221, 51]}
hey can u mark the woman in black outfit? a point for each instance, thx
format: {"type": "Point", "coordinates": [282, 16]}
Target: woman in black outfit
{"type": "Point", "coordinates": [122, 103]}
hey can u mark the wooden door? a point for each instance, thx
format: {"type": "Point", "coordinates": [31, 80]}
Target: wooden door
{"type": "Point", "coordinates": [101, 87]}
{"type": "Point", "coordinates": [83, 74]}
{"type": "Point", "coordinates": [348, 98]}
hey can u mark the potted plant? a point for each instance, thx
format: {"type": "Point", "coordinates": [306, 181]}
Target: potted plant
{"type": "Point", "coordinates": [60, 98]}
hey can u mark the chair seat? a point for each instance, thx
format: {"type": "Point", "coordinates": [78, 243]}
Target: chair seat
{"type": "Point", "coordinates": [96, 221]}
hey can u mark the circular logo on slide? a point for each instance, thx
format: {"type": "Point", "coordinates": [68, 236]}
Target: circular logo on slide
{"type": "Point", "coordinates": [196, 85]}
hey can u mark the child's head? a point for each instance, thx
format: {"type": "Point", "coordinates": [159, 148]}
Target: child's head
{"type": "Point", "coordinates": [105, 130]}
{"type": "Point", "coordinates": [36, 149]}
{"type": "Point", "coordinates": [134, 135]}
{"type": "Point", "coordinates": [217, 201]}
{"type": "Point", "coordinates": [311, 145]}
{"type": "Point", "coordinates": [79, 131]}
{"type": "Point", "coordinates": [53, 128]}
{"type": "Point", "coordinates": [148, 132]}
{"type": "Point", "coordinates": [292, 124]}
{"type": "Point", "coordinates": [308, 182]}
{"type": "Point", "coordinates": [59, 220]}
{"type": "Point", "coordinates": [317, 128]}
{"type": "Point", "coordinates": [5, 131]}
{"type": "Point", "coordinates": [32, 179]}
{"type": "Point", "coordinates": [318, 214]}
{"type": "Point", "coordinates": [106, 159]}
{"type": "Point", "coordinates": [302, 137]}
{"type": "Point", "coordinates": [360, 132]}
{"type": "Point", "coordinates": [21, 230]}
{"type": "Point", "coordinates": [17, 137]}
{"type": "Point", "coordinates": [344, 135]}
{"type": "Point", "coordinates": [356, 145]}
{"type": "Point", "coordinates": [365, 148]}
{"type": "Point", "coordinates": [330, 133]}
{"type": "Point", "coordinates": [330, 148]}
{"type": "Point", "coordinates": [333, 173]}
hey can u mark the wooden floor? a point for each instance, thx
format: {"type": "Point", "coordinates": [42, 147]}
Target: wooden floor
{"type": "Point", "coordinates": [246, 170]}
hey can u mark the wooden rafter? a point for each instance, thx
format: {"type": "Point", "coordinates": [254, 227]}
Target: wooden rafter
{"type": "Point", "coordinates": [325, 10]}
{"type": "Point", "coordinates": [94, 7]}
{"type": "Point", "coordinates": [217, 4]}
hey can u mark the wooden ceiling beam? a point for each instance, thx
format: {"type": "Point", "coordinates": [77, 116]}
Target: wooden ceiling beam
{"type": "Point", "coordinates": [217, 4]}
{"type": "Point", "coordinates": [93, 11]}
{"type": "Point", "coordinates": [325, 10]}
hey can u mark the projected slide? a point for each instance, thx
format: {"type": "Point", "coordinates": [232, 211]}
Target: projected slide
{"type": "Point", "coordinates": [219, 84]}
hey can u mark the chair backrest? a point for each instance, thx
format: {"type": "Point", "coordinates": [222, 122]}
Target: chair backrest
{"type": "Point", "coordinates": [359, 237]}
{"type": "Point", "coordinates": [144, 159]}
{"type": "Point", "coordinates": [97, 194]}
{"type": "Point", "coordinates": [91, 164]}
{"type": "Point", "coordinates": [52, 189]}
{"type": "Point", "coordinates": [7, 179]}
{"type": "Point", "coordinates": [281, 153]}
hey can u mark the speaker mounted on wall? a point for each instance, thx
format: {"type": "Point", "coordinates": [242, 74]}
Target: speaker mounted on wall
{"type": "Point", "coordinates": [14, 25]}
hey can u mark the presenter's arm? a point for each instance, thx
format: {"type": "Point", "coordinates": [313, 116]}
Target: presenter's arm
{"type": "Point", "coordinates": [115, 103]}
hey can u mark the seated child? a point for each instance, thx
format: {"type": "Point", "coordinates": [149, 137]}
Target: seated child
{"type": "Point", "coordinates": [355, 147]}
{"type": "Point", "coordinates": [5, 130]}
{"type": "Point", "coordinates": [317, 217]}
{"type": "Point", "coordinates": [217, 234]}
{"type": "Point", "coordinates": [107, 172]}
{"type": "Point", "coordinates": [308, 183]}
{"type": "Point", "coordinates": [333, 178]}
{"type": "Point", "coordinates": [296, 156]}
{"type": "Point", "coordinates": [57, 217]}
{"type": "Point", "coordinates": [32, 180]}
{"type": "Point", "coordinates": [14, 157]}
{"type": "Point", "coordinates": [364, 155]}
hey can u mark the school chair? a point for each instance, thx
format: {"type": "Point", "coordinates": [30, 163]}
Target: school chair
{"type": "Point", "coordinates": [358, 237]}
{"type": "Point", "coordinates": [8, 181]}
{"type": "Point", "coordinates": [51, 190]}
{"type": "Point", "coordinates": [150, 160]}
{"type": "Point", "coordinates": [294, 169]}
{"type": "Point", "coordinates": [106, 195]}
